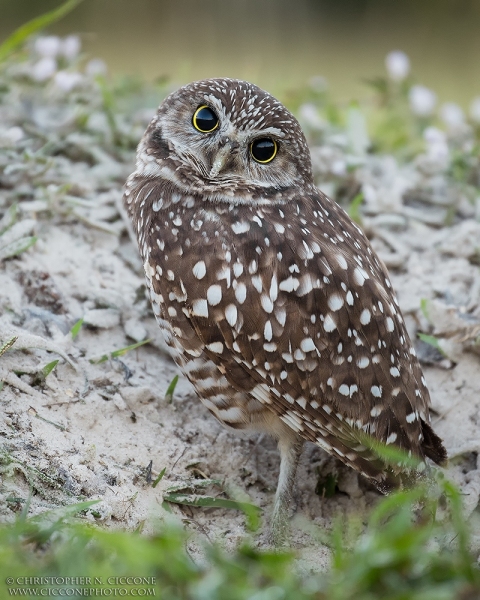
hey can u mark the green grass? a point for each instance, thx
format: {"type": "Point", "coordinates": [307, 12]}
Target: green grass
{"type": "Point", "coordinates": [415, 546]}
{"type": "Point", "coordinates": [17, 39]}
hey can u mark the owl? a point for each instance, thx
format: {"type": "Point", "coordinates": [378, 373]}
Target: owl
{"type": "Point", "coordinates": [271, 299]}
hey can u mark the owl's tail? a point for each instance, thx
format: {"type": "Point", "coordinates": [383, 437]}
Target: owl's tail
{"type": "Point", "coordinates": [432, 445]}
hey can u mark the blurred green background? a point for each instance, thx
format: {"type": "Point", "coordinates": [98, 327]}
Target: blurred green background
{"type": "Point", "coordinates": [277, 44]}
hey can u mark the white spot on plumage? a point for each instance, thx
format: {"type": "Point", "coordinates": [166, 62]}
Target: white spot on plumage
{"type": "Point", "coordinates": [237, 269]}
{"type": "Point", "coordinates": [365, 316]}
{"type": "Point", "coordinates": [216, 347]}
{"type": "Point", "coordinates": [199, 269]}
{"type": "Point", "coordinates": [231, 415]}
{"type": "Point", "coordinates": [394, 372]}
{"type": "Point", "coordinates": [342, 263]}
{"type": "Point", "coordinates": [214, 294]}
{"type": "Point", "coordinates": [273, 288]}
{"type": "Point", "coordinates": [270, 347]}
{"type": "Point", "coordinates": [289, 285]}
{"type": "Point", "coordinates": [281, 315]}
{"type": "Point", "coordinates": [346, 390]}
{"type": "Point", "coordinates": [307, 284]}
{"type": "Point", "coordinates": [241, 293]}
{"type": "Point", "coordinates": [391, 438]}
{"type": "Point", "coordinates": [231, 314]}
{"type": "Point", "coordinates": [302, 402]}
{"type": "Point", "coordinates": [362, 363]}
{"type": "Point", "coordinates": [411, 417]}
{"type": "Point", "coordinates": [257, 283]}
{"type": "Point", "coordinates": [329, 323]}
{"type": "Point", "coordinates": [390, 324]}
{"type": "Point", "coordinates": [376, 391]}
{"type": "Point", "coordinates": [360, 275]}
{"type": "Point", "coordinates": [200, 308]}
{"type": "Point", "coordinates": [292, 420]}
{"type": "Point", "coordinates": [240, 227]}
{"type": "Point", "coordinates": [335, 302]}
{"type": "Point", "coordinates": [267, 331]}
{"type": "Point", "coordinates": [307, 345]}
{"type": "Point", "coordinates": [266, 303]}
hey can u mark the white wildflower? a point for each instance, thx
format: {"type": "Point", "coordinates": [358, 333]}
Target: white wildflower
{"type": "Point", "coordinates": [11, 136]}
{"type": "Point", "coordinates": [318, 83]}
{"type": "Point", "coordinates": [339, 167]}
{"type": "Point", "coordinates": [452, 115]}
{"type": "Point", "coordinates": [475, 109]}
{"type": "Point", "coordinates": [48, 46]}
{"type": "Point", "coordinates": [95, 67]}
{"type": "Point", "coordinates": [71, 47]}
{"type": "Point", "coordinates": [422, 100]}
{"type": "Point", "coordinates": [44, 69]}
{"type": "Point", "coordinates": [309, 115]}
{"type": "Point", "coordinates": [397, 64]}
{"type": "Point", "coordinates": [66, 81]}
{"type": "Point", "coordinates": [437, 147]}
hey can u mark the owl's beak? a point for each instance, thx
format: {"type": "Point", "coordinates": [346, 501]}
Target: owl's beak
{"type": "Point", "coordinates": [227, 147]}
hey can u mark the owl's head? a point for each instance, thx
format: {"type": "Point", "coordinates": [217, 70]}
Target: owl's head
{"type": "Point", "coordinates": [228, 140]}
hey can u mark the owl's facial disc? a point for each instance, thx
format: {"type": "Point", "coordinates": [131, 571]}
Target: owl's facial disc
{"type": "Point", "coordinates": [229, 140]}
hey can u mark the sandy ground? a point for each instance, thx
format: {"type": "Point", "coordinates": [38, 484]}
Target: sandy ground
{"type": "Point", "coordinates": [91, 430]}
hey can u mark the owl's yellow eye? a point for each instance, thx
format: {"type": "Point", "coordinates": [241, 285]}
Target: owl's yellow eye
{"type": "Point", "coordinates": [264, 150]}
{"type": "Point", "coordinates": [204, 119]}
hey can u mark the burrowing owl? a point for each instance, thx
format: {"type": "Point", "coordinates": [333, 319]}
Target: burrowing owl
{"type": "Point", "coordinates": [271, 299]}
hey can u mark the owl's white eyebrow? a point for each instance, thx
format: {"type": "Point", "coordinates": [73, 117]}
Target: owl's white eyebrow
{"type": "Point", "coordinates": [271, 130]}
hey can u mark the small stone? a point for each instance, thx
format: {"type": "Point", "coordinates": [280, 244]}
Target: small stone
{"type": "Point", "coordinates": [104, 318]}
{"type": "Point", "coordinates": [119, 402]}
{"type": "Point", "coordinates": [135, 330]}
{"type": "Point", "coordinates": [137, 395]}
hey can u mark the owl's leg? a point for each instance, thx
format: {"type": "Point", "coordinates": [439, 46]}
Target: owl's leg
{"type": "Point", "coordinates": [290, 450]}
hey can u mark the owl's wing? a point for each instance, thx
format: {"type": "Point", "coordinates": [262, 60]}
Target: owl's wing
{"type": "Point", "coordinates": [294, 308]}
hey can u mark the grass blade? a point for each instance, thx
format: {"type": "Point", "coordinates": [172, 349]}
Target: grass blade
{"type": "Point", "coordinates": [210, 502]}
{"type": "Point", "coordinates": [9, 218]}
{"type": "Point", "coordinates": [159, 478]}
{"type": "Point", "coordinates": [354, 209]}
{"type": "Point", "coordinates": [17, 247]}
{"type": "Point", "coordinates": [8, 344]}
{"type": "Point", "coordinates": [47, 369]}
{"type": "Point", "coordinates": [171, 389]}
{"type": "Point", "coordinates": [17, 38]}
{"type": "Point", "coordinates": [431, 340]}
{"type": "Point", "coordinates": [192, 485]}
{"type": "Point", "coordinates": [75, 330]}
{"type": "Point", "coordinates": [117, 353]}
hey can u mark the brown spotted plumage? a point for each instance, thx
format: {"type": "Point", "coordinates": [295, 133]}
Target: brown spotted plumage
{"type": "Point", "coordinates": [272, 300]}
